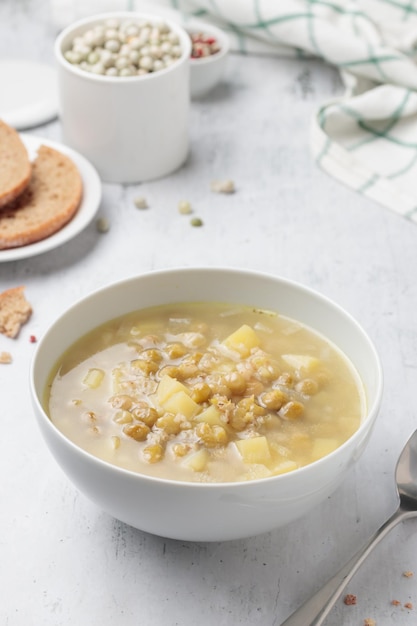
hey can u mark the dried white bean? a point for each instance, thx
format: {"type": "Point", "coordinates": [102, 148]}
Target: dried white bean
{"type": "Point", "coordinates": [133, 56]}
{"type": "Point", "coordinates": [166, 47]}
{"type": "Point", "coordinates": [111, 33]}
{"type": "Point", "coordinates": [112, 22]}
{"type": "Point", "coordinates": [132, 31]}
{"type": "Point", "coordinates": [155, 52]}
{"type": "Point", "coordinates": [136, 43]}
{"type": "Point", "coordinates": [89, 37]}
{"type": "Point", "coordinates": [107, 58]}
{"type": "Point", "coordinates": [146, 63]}
{"type": "Point", "coordinates": [78, 41]}
{"type": "Point", "coordinates": [126, 71]}
{"type": "Point", "coordinates": [121, 63]}
{"type": "Point", "coordinates": [93, 58]}
{"type": "Point", "coordinates": [130, 48]}
{"type": "Point", "coordinates": [113, 45]}
{"type": "Point", "coordinates": [98, 40]}
{"type": "Point", "coordinates": [97, 68]}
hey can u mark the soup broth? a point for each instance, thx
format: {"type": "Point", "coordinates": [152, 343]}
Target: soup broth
{"type": "Point", "coordinates": [206, 392]}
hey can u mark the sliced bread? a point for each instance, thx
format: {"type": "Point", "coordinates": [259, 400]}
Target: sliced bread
{"type": "Point", "coordinates": [15, 310]}
{"type": "Point", "coordinates": [15, 167]}
{"type": "Point", "coordinates": [47, 204]}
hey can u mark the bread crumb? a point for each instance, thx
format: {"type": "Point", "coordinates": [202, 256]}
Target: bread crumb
{"type": "Point", "coordinates": [408, 605]}
{"type": "Point", "coordinates": [395, 602]}
{"type": "Point", "coordinates": [5, 357]}
{"type": "Point", "coordinates": [15, 311]}
{"type": "Point", "coordinates": [408, 574]}
{"type": "Point", "coordinates": [350, 599]}
{"type": "Point", "coordinates": [368, 621]}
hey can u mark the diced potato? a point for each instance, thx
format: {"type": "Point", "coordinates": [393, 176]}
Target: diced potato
{"type": "Point", "coordinates": [256, 471]}
{"type": "Point", "coordinates": [196, 461]}
{"type": "Point", "coordinates": [242, 340]}
{"type": "Point", "coordinates": [117, 378]}
{"type": "Point", "coordinates": [167, 387]}
{"type": "Point", "coordinates": [210, 416]}
{"type": "Point", "coordinates": [254, 450]}
{"type": "Point", "coordinates": [115, 442]}
{"type": "Point", "coordinates": [301, 361]}
{"type": "Point", "coordinates": [322, 447]}
{"type": "Point", "coordinates": [284, 467]}
{"type": "Point", "coordinates": [301, 442]}
{"type": "Point", "coordinates": [181, 402]}
{"type": "Point", "coordinates": [93, 378]}
{"type": "Point", "coordinates": [278, 450]}
{"type": "Point", "coordinates": [191, 340]}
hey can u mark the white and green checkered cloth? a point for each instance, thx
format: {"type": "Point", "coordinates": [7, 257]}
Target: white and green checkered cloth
{"type": "Point", "coordinates": [367, 138]}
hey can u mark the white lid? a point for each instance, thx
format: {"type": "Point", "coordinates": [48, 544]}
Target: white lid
{"type": "Point", "coordinates": [28, 93]}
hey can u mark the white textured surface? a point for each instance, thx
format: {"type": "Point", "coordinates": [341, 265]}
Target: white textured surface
{"type": "Point", "coordinates": [63, 562]}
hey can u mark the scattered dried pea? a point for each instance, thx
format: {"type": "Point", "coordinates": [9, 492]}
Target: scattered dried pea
{"type": "Point", "coordinates": [141, 203]}
{"type": "Point", "coordinates": [153, 453]}
{"type": "Point", "coordinates": [196, 221]}
{"type": "Point", "coordinates": [103, 225]}
{"type": "Point", "coordinates": [184, 207]}
{"type": "Point", "coordinates": [223, 186]}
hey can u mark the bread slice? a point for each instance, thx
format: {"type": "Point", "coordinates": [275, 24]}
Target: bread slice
{"type": "Point", "coordinates": [47, 204]}
{"type": "Point", "coordinates": [15, 311]}
{"type": "Point", "coordinates": [15, 167]}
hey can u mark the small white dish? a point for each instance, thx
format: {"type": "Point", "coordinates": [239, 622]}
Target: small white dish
{"type": "Point", "coordinates": [207, 72]}
{"type": "Point", "coordinates": [30, 94]}
{"type": "Point", "coordinates": [87, 209]}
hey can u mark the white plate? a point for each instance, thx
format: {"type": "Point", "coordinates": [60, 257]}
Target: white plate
{"type": "Point", "coordinates": [29, 94]}
{"type": "Point", "coordinates": [86, 211]}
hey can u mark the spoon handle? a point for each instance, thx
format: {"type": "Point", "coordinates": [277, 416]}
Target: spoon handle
{"type": "Point", "coordinates": [315, 610]}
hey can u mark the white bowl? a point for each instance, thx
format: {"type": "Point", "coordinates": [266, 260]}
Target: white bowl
{"type": "Point", "coordinates": [207, 72]}
{"type": "Point", "coordinates": [132, 129]}
{"type": "Point", "coordinates": [206, 511]}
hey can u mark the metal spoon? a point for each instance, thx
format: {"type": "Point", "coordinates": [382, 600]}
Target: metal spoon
{"type": "Point", "coordinates": [316, 609]}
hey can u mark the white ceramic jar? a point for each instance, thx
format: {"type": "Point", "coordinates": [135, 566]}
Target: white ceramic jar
{"type": "Point", "coordinates": [133, 128]}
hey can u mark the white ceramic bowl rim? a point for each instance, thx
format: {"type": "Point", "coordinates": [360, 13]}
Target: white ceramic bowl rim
{"type": "Point", "coordinates": [94, 19]}
{"type": "Point", "coordinates": [370, 413]}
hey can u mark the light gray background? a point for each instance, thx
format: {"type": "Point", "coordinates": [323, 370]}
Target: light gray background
{"type": "Point", "coordinates": [63, 561]}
